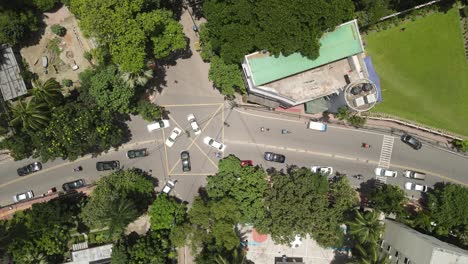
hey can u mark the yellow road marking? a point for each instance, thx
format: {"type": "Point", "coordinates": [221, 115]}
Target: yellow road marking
{"type": "Point", "coordinates": [214, 164]}
{"type": "Point", "coordinates": [165, 152]}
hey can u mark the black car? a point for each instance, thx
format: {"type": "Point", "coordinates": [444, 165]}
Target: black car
{"type": "Point", "coordinates": [270, 156]}
{"type": "Point", "coordinates": [136, 153]}
{"type": "Point", "coordinates": [185, 157]}
{"type": "Point", "coordinates": [30, 168]}
{"type": "Point", "coordinates": [73, 185]}
{"type": "Point", "coordinates": [412, 141]}
{"type": "Point", "coordinates": [107, 165]}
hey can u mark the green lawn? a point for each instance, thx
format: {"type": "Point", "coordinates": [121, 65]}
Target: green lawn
{"type": "Point", "coordinates": [423, 71]}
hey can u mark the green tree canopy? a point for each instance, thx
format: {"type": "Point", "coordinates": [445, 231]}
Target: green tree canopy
{"type": "Point", "coordinates": [129, 28]}
{"type": "Point", "coordinates": [48, 92]}
{"type": "Point", "coordinates": [297, 204]}
{"type": "Point", "coordinates": [30, 115]}
{"type": "Point", "coordinates": [154, 247]}
{"type": "Point", "coordinates": [16, 24]}
{"type": "Point", "coordinates": [110, 92]}
{"type": "Point", "coordinates": [448, 208]}
{"type": "Point", "coordinates": [227, 77]}
{"type": "Point", "coordinates": [129, 190]}
{"type": "Point", "coordinates": [246, 185]}
{"type": "Point", "coordinates": [388, 199]}
{"type": "Point", "coordinates": [238, 27]}
{"type": "Point", "coordinates": [42, 232]}
{"type": "Point", "coordinates": [366, 227]}
{"type": "Point", "coordinates": [75, 130]}
{"type": "Point", "coordinates": [165, 212]}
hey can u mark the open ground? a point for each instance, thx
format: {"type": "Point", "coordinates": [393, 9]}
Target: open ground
{"type": "Point", "coordinates": [423, 71]}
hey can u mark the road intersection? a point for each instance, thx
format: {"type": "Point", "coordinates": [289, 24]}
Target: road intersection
{"type": "Point", "coordinates": [185, 90]}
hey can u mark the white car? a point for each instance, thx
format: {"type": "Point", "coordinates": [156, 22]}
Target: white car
{"type": "Point", "coordinates": [174, 134]}
{"type": "Point", "coordinates": [23, 196]}
{"type": "Point", "coordinates": [385, 173]}
{"type": "Point", "coordinates": [193, 123]}
{"type": "Point", "coordinates": [411, 186]}
{"type": "Point", "coordinates": [322, 170]}
{"type": "Point", "coordinates": [158, 125]}
{"type": "Point", "coordinates": [168, 187]}
{"type": "Point", "coordinates": [214, 144]}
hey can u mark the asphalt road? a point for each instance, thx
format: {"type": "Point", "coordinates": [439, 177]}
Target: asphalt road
{"type": "Point", "coordinates": [186, 89]}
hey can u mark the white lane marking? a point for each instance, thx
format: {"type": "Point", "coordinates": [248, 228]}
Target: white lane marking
{"type": "Point", "coordinates": [386, 152]}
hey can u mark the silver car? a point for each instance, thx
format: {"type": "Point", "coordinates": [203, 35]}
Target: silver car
{"type": "Point", "coordinates": [23, 196]}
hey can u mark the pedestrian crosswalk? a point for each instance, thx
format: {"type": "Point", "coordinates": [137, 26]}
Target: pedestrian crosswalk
{"type": "Point", "coordinates": [386, 152]}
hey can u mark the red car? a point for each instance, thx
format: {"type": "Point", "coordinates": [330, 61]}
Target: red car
{"type": "Point", "coordinates": [246, 163]}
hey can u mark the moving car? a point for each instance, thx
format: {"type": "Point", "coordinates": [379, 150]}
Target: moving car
{"type": "Point", "coordinates": [107, 165]}
{"type": "Point", "coordinates": [214, 144]}
{"type": "Point", "coordinates": [174, 134]}
{"type": "Point", "coordinates": [158, 125]}
{"type": "Point", "coordinates": [193, 123]}
{"type": "Point", "coordinates": [30, 168]}
{"type": "Point", "coordinates": [322, 170]}
{"type": "Point", "coordinates": [23, 196]}
{"type": "Point", "coordinates": [411, 186]}
{"type": "Point", "coordinates": [411, 141]}
{"type": "Point", "coordinates": [414, 175]}
{"type": "Point", "coordinates": [270, 156]}
{"type": "Point", "coordinates": [246, 163]}
{"type": "Point", "coordinates": [385, 173]}
{"type": "Point", "coordinates": [317, 126]}
{"type": "Point", "coordinates": [136, 153]}
{"type": "Point", "coordinates": [68, 186]}
{"type": "Point", "coordinates": [168, 187]}
{"type": "Point", "coordinates": [185, 158]}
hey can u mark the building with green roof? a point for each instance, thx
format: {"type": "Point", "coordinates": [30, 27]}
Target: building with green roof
{"type": "Point", "coordinates": [295, 79]}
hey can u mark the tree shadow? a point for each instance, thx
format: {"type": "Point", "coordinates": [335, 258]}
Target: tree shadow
{"type": "Point", "coordinates": [176, 6]}
{"type": "Point", "coordinates": [33, 38]}
{"type": "Point", "coordinates": [197, 8]}
{"type": "Point", "coordinates": [185, 53]}
{"type": "Point", "coordinates": [159, 79]}
{"type": "Point", "coordinates": [340, 257]}
{"type": "Point", "coordinates": [365, 189]}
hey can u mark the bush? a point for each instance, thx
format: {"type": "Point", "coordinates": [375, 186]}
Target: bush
{"type": "Point", "coordinates": [58, 30]}
{"type": "Point", "coordinates": [88, 56]}
{"type": "Point", "coordinates": [67, 82]}
{"type": "Point", "coordinates": [149, 111]}
{"type": "Point", "coordinates": [357, 121]}
{"type": "Point", "coordinates": [461, 145]}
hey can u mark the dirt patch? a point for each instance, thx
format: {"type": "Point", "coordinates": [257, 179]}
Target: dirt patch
{"type": "Point", "coordinates": [62, 53]}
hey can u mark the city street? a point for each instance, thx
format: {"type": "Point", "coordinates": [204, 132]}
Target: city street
{"type": "Point", "coordinates": [185, 89]}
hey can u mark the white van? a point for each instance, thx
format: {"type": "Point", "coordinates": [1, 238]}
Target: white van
{"type": "Point", "coordinates": [317, 126]}
{"type": "Point", "coordinates": [414, 175]}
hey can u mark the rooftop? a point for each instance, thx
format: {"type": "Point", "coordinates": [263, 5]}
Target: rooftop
{"type": "Point", "coordinates": [421, 248]}
{"type": "Point", "coordinates": [343, 42]}
{"type": "Point", "coordinates": [11, 82]}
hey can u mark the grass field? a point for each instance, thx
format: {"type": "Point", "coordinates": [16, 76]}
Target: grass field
{"type": "Point", "coordinates": [423, 71]}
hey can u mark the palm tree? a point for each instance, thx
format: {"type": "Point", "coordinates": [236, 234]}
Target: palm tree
{"type": "Point", "coordinates": [121, 213]}
{"type": "Point", "coordinates": [30, 115]}
{"type": "Point", "coordinates": [366, 227]}
{"type": "Point", "coordinates": [140, 78]}
{"type": "Point", "coordinates": [368, 253]}
{"type": "Point", "coordinates": [237, 257]}
{"type": "Point", "coordinates": [49, 92]}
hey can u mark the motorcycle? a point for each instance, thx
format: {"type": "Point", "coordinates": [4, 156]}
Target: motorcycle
{"type": "Point", "coordinates": [79, 168]}
{"type": "Point", "coordinates": [365, 145]}
{"type": "Point", "coordinates": [285, 131]}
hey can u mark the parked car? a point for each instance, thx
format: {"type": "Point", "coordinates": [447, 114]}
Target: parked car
{"type": "Point", "coordinates": [193, 123]}
{"type": "Point", "coordinates": [322, 170]}
{"type": "Point", "coordinates": [68, 186]}
{"type": "Point", "coordinates": [246, 163]}
{"type": "Point", "coordinates": [414, 175]}
{"type": "Point", "coordinates": [270, 156]}
{"type": "Point", "coordinates": [174, 134]}
{"type": "Point", "coordinates": [411, 186]}
{"type": "Point", "coordinates": [107, 165]}
{"type": "Point", "coordinates": [214, 144]}
{"type": "Point", "coordinates": [158, 125]}
{"type": "Point", "coordinates": [185, 158]}
{"type": "Point", "coordinates": [23, 196]}
{"type": "Point", "coordinates": [30, 168]}
{"type": "Point", "coordinates": [137, 153]}
{"type": "Point", "coordinates": [168, 187]}
{"type": "Point", "coordinates": [411, 141]}
{"type": "Point", "coordinates": [385, 173]}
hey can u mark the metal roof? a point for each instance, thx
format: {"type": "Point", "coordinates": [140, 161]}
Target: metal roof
{"type": "Point", "coordinates": [11, 82]}
{"type": "Point", "coordinates": [343, 42]}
